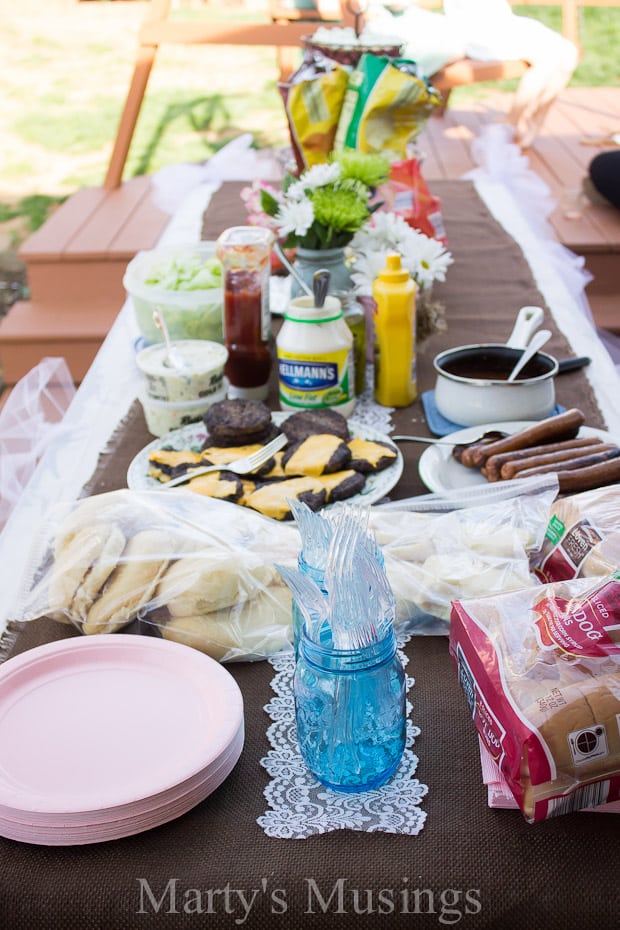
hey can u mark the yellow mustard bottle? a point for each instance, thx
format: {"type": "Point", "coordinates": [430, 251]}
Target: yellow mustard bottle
{"type": "Point", "coordinates": [394, 346]}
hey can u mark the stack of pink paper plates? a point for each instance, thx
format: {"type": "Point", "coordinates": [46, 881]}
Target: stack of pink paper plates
{"type": "Point", "coordinates": [105, 736]}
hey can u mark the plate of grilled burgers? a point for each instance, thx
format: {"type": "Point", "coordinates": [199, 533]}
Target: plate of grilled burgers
{"type": "Point", "coordinates": [327, 459]}
{"type": "Point", "coordinates": [582, 457]}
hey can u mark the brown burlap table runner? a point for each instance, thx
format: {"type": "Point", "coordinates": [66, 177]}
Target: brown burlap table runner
{"type": "Point", "coordinates": [471, 866]}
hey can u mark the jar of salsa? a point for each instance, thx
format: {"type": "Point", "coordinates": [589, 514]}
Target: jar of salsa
{"type": "Point", "coordinates": [244, 252]}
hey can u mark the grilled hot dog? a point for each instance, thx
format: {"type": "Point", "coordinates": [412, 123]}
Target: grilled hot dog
{"type": "Point", "coordinates": [557, 459]}
{"type": "Point", "coordinates": [553, 429]}
{"type": "Point", "coordinates": [493, 468]}
{"type": "Point", "coordinates": [585, 479]}
{"type": "Point", "coordinates": [579, 463]}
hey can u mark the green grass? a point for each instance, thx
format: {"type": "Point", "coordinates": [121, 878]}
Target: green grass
{"type": "Point", "coordinates": [600, 36]}
{"type": "Point", "coordinates": [34, 208]}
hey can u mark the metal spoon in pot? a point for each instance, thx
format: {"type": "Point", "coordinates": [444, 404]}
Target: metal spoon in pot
{"type": "Point", "coordinates": [174, 359]}
{"type": "Point", "coordinates": [536, 342]}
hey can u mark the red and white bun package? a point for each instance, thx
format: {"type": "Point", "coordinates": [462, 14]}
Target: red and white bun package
{"type": "Point", "coordinates": [540, 668]}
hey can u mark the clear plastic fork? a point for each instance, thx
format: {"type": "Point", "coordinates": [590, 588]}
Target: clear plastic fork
{"type": "Point", "coordinates": [242, 466]}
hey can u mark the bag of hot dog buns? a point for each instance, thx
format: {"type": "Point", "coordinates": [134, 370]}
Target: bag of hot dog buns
{"type": "Point", "coordinates": [540, 669]}
{"type": "Point", "coordinates": [582, 537]}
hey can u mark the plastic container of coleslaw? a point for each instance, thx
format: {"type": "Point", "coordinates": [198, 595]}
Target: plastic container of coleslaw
{"type": "Point", "coordinates": [184, 282]}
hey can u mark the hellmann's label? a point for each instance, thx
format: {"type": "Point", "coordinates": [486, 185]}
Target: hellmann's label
{"type": "Point", "coordinates": [315, 380]}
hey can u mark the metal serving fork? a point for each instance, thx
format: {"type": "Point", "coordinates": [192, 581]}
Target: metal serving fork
{"type": "Point", "coordinates": [243, 466]}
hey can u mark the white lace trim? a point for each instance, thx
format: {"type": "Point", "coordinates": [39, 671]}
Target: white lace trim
{"type": "Point", "coordinates": [299, 806]}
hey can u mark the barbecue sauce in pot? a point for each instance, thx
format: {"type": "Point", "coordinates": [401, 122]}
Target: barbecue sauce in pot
{"type": "Point", "coordinates": [493, 365]}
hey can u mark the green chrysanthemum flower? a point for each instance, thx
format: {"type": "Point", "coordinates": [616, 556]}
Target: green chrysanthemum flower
{"type": "Point", "coordinates": [339, 211]}
{"type": "Point", "coordinates": [369, 168]}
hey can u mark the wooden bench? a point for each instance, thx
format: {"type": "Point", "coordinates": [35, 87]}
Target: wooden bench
{"type": "Point", "coordinates": [284, 12]}
{"type": "Point", "coordinates": [470, 71]}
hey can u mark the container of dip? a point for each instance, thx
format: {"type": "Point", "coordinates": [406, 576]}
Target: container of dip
{"type": "Point", "coordinates": [472, 387]}
{"type": "Point", "coordinates": [163, 416]}
{"type": "Point", "coordinates": [200, 378]}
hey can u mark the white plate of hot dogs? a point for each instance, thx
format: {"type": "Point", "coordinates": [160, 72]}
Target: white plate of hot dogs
{"type": "Point", "coordinates": [440, 471]}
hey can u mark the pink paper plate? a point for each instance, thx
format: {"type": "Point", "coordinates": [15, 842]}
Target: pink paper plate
{"type": "Point", "coordinates": [99, 723]}
{"type": "Point", "coordinates": [178, 802]}
{"type": "Point", "coordinates": [199, 785]}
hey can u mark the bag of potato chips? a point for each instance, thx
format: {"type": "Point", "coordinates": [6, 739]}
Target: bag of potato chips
{"type": "Point", "coordinates": [313, 98]}
{"type": "Point", "coordinates": [386, 106]}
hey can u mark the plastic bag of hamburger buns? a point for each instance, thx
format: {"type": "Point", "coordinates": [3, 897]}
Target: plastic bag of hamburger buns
{"type": "Point", "coordinates": [583, 536]}
{"type": "Point", "coordinates": [465, 543]}
{"type": "Point", "coordinates": [201, 571]}
{"type": "Point", "coordinates": [196, 570]}
{"type": "Point", "coordinates": [540, 669]}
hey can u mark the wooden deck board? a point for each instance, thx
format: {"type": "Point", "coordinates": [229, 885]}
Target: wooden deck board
{"type": "Point", "coordinates": [142, 228]}
{"type": "Point", "coordinates": [558, 157]}
{"type": "Point", "coordinates": [103, 231]}
{"type": "Point", "coordinates": [450, 143]}
{"type": "Point", "coordinates": [64, 224]}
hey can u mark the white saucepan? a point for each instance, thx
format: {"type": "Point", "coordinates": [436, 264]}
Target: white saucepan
{"type": "Point", "coordinates": [472, 386]}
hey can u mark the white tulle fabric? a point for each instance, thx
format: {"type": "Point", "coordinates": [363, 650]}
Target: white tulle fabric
{"type": "Point", "coordinates": [31, 417]}
{"type": "Point", "coordinates": [299, 806]}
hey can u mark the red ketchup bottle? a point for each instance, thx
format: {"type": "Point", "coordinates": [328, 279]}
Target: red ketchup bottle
{"type": "Point", "coordinates": [244, 252]}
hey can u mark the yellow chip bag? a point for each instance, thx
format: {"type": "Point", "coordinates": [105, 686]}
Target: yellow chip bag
{"type": "Point", "coordinates": [386, 106]}
{"type": "Point", "coordinates": [313, 99]}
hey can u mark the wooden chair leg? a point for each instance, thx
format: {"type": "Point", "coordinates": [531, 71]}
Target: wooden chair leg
{"type": "Point", "coordinates": [129, 117]}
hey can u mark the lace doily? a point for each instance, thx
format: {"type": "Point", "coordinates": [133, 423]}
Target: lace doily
{"type": "Point", "coordinates": [368, 412]}
{"type": "Point", "coordinates": [299, 806]}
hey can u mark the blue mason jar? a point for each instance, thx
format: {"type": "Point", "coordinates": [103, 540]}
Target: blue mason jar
{"type": "Point", "coordinates": [350, 707]}
{"type": "Point", "coordinates": [318, 576]}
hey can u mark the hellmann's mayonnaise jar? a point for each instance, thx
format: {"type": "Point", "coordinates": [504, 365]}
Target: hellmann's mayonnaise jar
{"type": "Point", "coordinates": [315, 357]}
